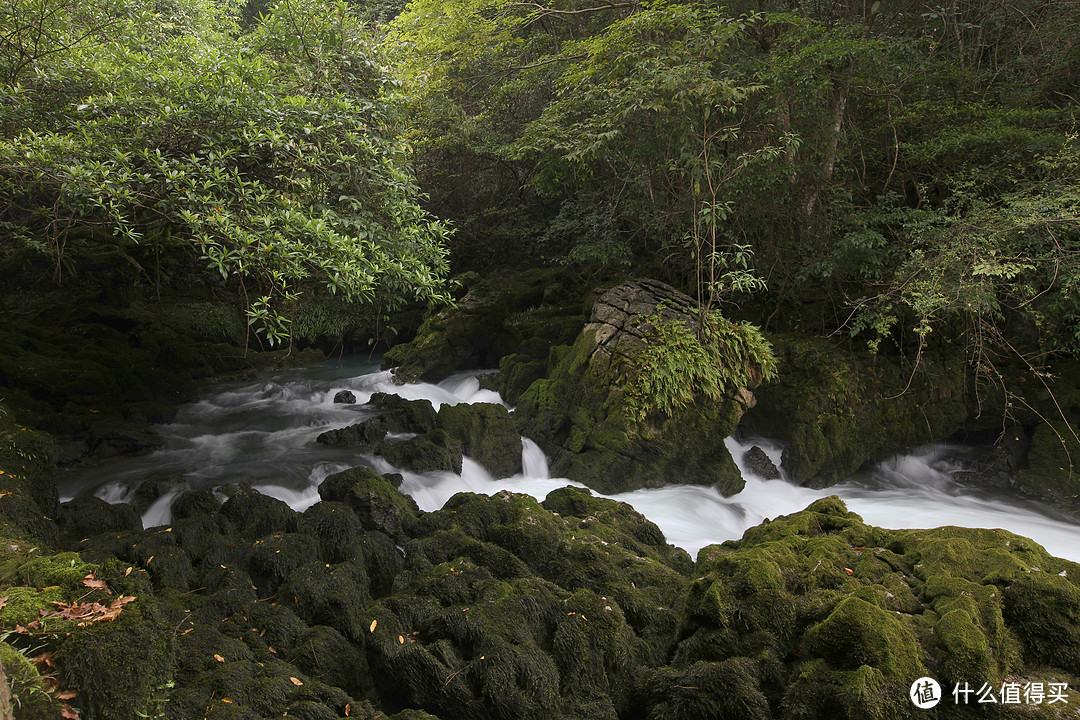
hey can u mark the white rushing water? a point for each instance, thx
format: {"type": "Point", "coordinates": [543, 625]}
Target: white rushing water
{"type": "Point", "coordinates": [263, 433]}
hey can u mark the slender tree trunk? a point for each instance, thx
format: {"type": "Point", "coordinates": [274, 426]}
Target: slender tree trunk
{"type": "Point", "coordinates": [831, 148]}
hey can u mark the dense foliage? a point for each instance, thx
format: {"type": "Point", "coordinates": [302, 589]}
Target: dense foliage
{"type": "Point", "coordinates": [679, 365]}
{"type": "Point", "coordinates": [273, 154]}
{"type": "Point", "coordinates": [898, 171]}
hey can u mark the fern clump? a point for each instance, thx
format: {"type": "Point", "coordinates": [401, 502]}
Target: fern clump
{"type": "Point", "coordinates": [709, 356]}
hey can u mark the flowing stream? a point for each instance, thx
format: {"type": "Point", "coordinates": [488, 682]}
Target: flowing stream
{"type": "Point", "coordinates": [263, 433]}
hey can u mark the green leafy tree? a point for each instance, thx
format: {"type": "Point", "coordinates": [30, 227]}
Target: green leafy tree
{"type": "Point", "coordinates": [273, 155]}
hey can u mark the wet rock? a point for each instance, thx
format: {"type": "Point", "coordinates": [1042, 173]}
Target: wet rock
{"type": "Point", "coordinates": [397, 415]}
{"type": "Point", "coordinates": [842, 615]}
{"type": "Point", "coordinates": [491, 319]}
{"type": "Point", "coordinates": [377, 503]}
{"type": "Point", "coordinates": [346, 397]}
{"type": "Point", "coordinates": [192, 503]}
{"type": "Point", "coordinates": [432, 451]}
{"type": "Point", "coordinates": [1053, 462]}
{"type": "Point", "coordinates": [255, 514]}
{"type": "Point", "coordinates": [487, 435]}
{"type": "Point", "coordinates": [836, 411]}
{"type": "Point", "coordinates": [87, 515]}
{"type": "Point", "coordinates": [403, 415]}
{"type": "Point", "coordinates": [580, 414]}
{"type": "Point", "coordinates": [759, 463]}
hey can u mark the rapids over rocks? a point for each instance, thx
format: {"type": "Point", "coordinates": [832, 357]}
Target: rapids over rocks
{"type": "Point", "coordinates": [263, 433]}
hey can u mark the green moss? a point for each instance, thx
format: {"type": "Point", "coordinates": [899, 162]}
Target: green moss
{"type": "Point", "coordinates": [725, 690]}
{"type": "Point", "coordinates": [277, 557]}
{"type": "Point", "coordinates": [579, 416]}
{"type": "Point", "coordinates": [431, 452]}
{"type": "Point", "coordinates": [1053, 460]}
{"type": "Point", "coordinates": [487, 435]}
{"type": "Point", "coordinates": [377, 503]}
{"type": "Point", "coordinates": [24, 605]}
{"type": "Point", "coordinates": [1044, 609]}
{"type": "Point", "coordinates": [332, 595]}
{"type": "Point", "coordinates": [823, 693]}
{"type": "Point", "coordinates": [857, 633]}
{"type": "Point", "coordinates": [336, 527]}
{"type": "Point", "coordinates": [967, 651]}
{"type": "Point", "coordinates": [117, 667]}
{"type": "Point", "coordinates": [28, 691]}
{"type": "Point", "coordinates": [255, 514]}
{"type": "Point", "coordinates": [835, 411]}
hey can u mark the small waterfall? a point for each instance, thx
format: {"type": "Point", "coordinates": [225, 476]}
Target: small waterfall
{"type": "Point", "coordinates": [533, 460]}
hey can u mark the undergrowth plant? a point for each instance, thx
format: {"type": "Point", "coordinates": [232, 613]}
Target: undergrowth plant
{"type": "Point", "coordinates": [680, 364]}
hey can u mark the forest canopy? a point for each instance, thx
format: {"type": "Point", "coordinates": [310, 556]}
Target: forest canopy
{"type": "Point", "coordinates": [899, 171]}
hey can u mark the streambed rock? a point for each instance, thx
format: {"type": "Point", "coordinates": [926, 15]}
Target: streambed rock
{"type": "Point", "coordinates": [835, 411]}
{"type": "Point", "coordinates": [483, 431]}
{"type": "Point", "coordinates": [494, 317]}
{"type": "Point", "coordinates": [574, 607]}
{"type": "Point", "coordinates": [487, 435]}
{"type": "Point", "coordinates": [579, 414]}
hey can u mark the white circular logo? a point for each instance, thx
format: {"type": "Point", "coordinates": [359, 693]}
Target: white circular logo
{"type": "Point", "coordinates": [925, 693]}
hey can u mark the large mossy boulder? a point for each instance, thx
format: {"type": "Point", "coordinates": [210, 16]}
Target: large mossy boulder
{"type": "Point", "coordinates": [835, 410]}
{"type": "Point", "coordinates": [396, 415]}
{"type": "Point", "coordinates": [507, 609]}
{"type": "Point", "coordinates": [837, 619]}
{"type": "Point", "coordinates": [492, 318]}
{"type": "Point", "coordinates": [486, 433]}
{"type": "Point", "coordinates": [584, 417]}
{"type": "Point", "coordinates": [377, 503]}
{"type": "Point", "coordinates": [1053, 462]}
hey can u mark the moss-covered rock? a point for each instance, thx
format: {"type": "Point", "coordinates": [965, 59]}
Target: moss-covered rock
{"type": "Point", "coordinates": [487, 435]}
{"type": "Point", "coordinates": [377, 503]}
{"type": "Point", "coordinates": [397, 415]}
{"type": "Point", "coordinates": [581, 415]}
{"type": "Point", "coordinates": [838, 618]}
{"type": "Point", "coordinates": [835, 411]}
{"type": "Point", "coordinates": [493, 317]}
{"type": "Point", "coordinates": [87, 515]}
{"type": "Point", "coordinates": [25, 687]}
{"type": "Point", "coordinates": [1053, 462]}
{"type": "Point", "coordinates": [431, 452]}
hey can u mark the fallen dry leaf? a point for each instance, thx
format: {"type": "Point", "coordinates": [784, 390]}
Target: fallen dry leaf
{"type": "Point", "coordinates": [400, 640]}
{"type": "Point", "coordinates": [849, 571]}
{"type": "Point", "coordinates": [218, 658]}
{"type": "Point", "coordinates": [65, 695]}
{"type": "Point", "coordinates": [92, 582]}
{"type": "Point", "coordinates": [296, 681]}
{"type": "Point", "coordinates": [373, 624]}
{"type": "Point", "coordinates": [68, 713]}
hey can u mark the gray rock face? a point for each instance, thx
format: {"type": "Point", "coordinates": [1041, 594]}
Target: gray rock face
{"type": "Point", "coordinates": [345, 397]}
{"type": "Point", "coordinates": [761, 464]}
